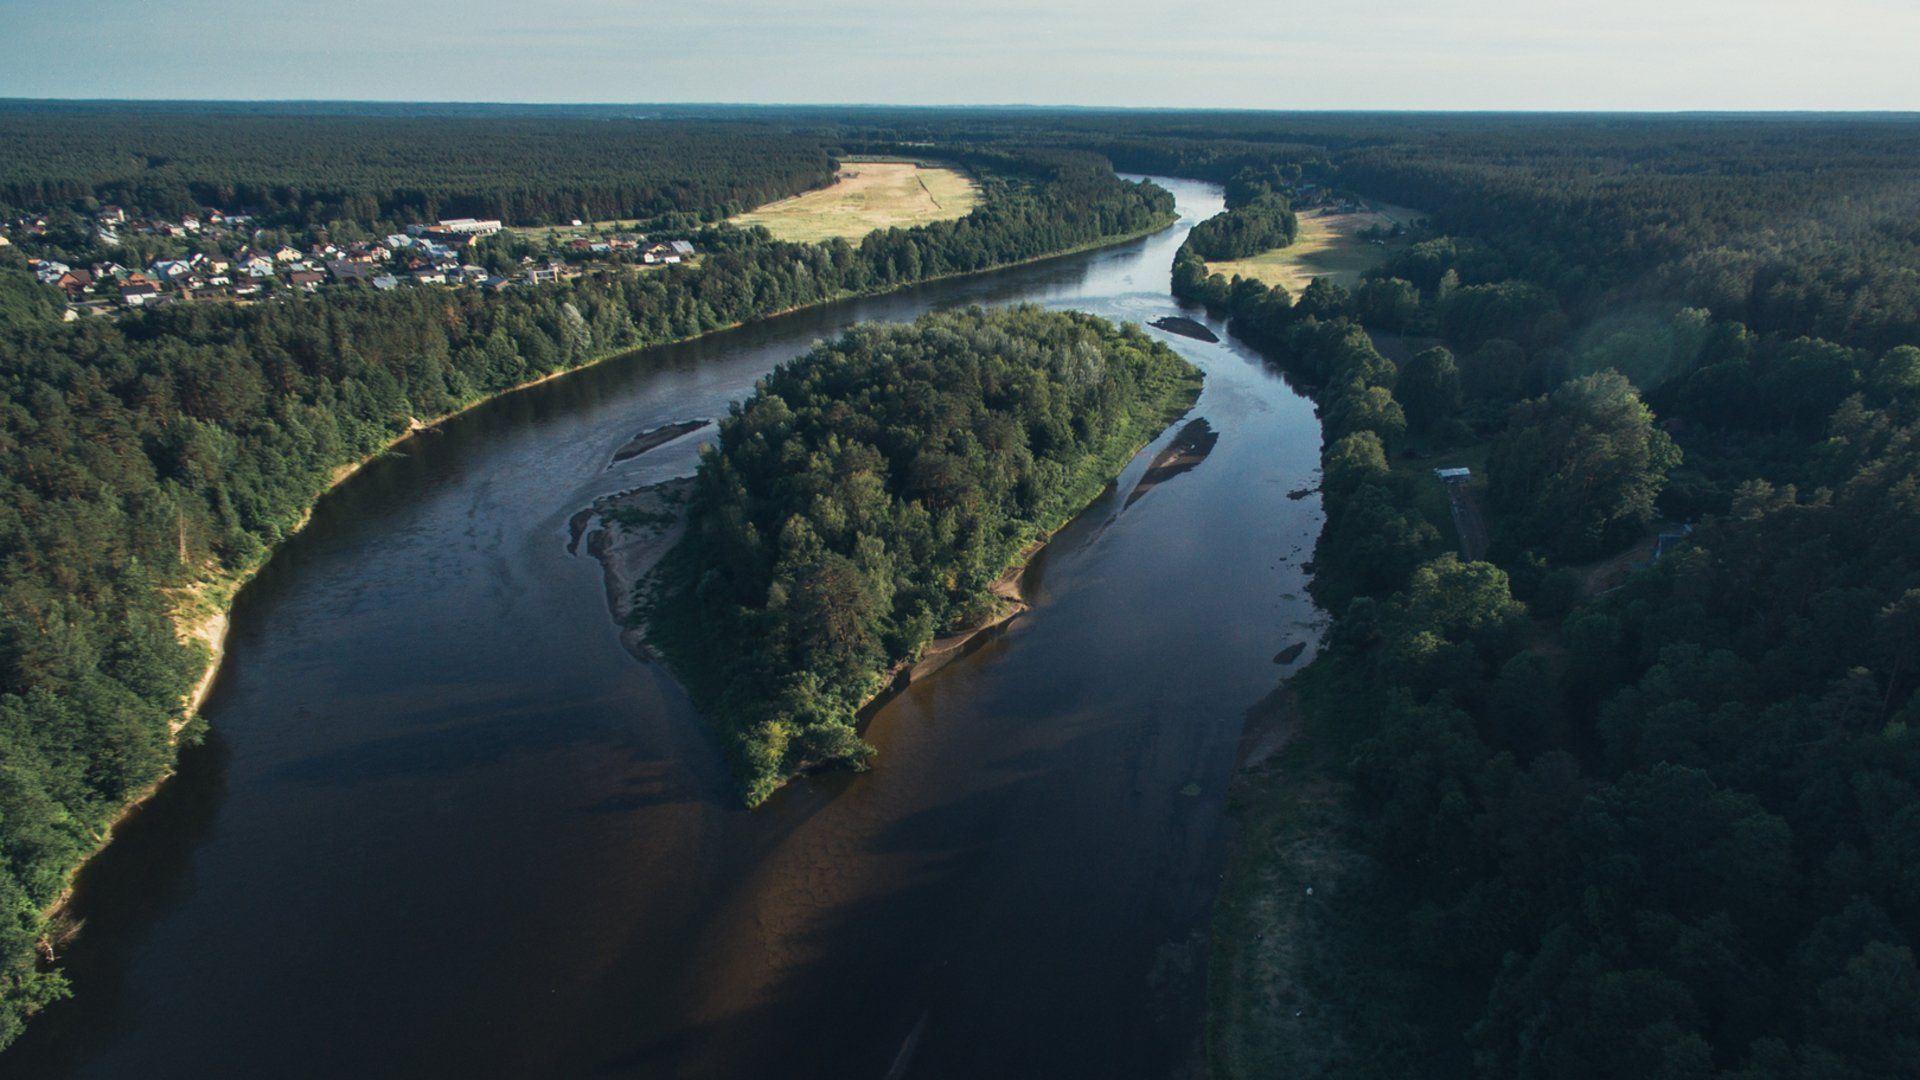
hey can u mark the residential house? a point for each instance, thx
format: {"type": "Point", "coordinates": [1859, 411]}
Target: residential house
{"type": "Point", "coordinates": [171, 269]}
{"type": "Point", "coordinates": [283, 253]}
{"type": "Point", "coordinates": [448, 241]}
{"type": "Point", "coordinates": [666, 254]}
{"type": "Point", "coordinates": [74, 282]}
{"type": "Point", "coordinates": [138, 294]}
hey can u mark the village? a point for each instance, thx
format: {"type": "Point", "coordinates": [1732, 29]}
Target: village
{"type": "Point", "coordinates": [217, 256]}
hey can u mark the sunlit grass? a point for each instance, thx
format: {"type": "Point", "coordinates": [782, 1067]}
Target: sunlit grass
{"type": "Point", "coordinates": [868, 195]}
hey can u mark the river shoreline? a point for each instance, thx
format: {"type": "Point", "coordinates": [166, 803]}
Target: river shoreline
{"type": "Point", "coordinates": [193, 621]}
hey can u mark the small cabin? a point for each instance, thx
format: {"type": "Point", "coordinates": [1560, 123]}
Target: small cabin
{"type": "Point", "coordinates": [1454, 476]}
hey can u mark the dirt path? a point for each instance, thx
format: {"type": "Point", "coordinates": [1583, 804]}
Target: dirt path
{"type": "Point", "coordinates": [1468, 522]}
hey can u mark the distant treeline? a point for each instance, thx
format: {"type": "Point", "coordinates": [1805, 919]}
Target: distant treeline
{"type": "Point", "coordinates": [144, 454]}
{"type": "Point", "coordinates": [869, 493]}
{"type": "Point", "coordinates": [1793, 224]}
{"type": "Point", "coordinates": [306, 172]}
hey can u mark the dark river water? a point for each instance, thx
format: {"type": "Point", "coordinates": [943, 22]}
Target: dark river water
{"type": "Point", "coordinates": [445, 826]}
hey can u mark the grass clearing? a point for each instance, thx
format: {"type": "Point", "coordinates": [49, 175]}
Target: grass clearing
{"type": "Point", "coordinates": [868, 195]}
{"type": "Point", "coordinates": [1329, 245]}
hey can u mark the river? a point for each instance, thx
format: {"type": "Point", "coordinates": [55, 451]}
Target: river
{"type": "Point", "coordinates": [445, 825]}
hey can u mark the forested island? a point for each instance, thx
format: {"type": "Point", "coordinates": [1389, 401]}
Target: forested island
{"type": "Point", "coordinates": [867, 496]}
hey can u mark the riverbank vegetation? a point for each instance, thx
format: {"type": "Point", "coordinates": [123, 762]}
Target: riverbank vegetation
{"type": "Point", "coordinates": [146, 456]}
{"type": "Point", "coordinates": [1532, 829]}
{"type": "Point", "coordinates": [866, 497]}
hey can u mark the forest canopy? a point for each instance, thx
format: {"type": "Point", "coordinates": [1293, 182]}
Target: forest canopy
{"type": "Point", "coordinates": [310, 171]}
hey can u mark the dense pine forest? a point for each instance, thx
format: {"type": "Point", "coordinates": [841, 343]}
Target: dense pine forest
{"type": "Point", "coordinates": [352, 174]}
{"type": "Point", "coordinates": [145, 455]}
{"type": "Point", "coordinates": [1595, 822]}
{"type": "Point", "coordinates": [868, 494]}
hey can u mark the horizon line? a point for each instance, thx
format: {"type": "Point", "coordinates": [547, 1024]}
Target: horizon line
{"type": "Point", "coordinates": [983, 106]}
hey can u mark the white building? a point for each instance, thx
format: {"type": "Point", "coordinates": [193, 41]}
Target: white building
{"type": "Point", "coordinates": [467, 226]}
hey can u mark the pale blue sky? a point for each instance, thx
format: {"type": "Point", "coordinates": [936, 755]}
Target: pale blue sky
{"type": "Point", "coordinates": [1417, 54]}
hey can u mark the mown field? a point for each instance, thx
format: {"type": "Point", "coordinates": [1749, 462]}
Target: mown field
{"type": "Point", "coordinates": [1329, 245]}
{"type": "Point", "coordinates": [868, 195]}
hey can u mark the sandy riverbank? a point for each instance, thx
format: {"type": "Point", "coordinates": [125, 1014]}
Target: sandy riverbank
{"type": "Point", "coordinates": [1187, 450]}
{"type": "Point", "coordinates": [654, 438]}
{"type": "Point", "coordinates": [629, 533]}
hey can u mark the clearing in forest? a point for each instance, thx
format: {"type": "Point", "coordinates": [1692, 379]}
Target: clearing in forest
{"type": "Point", "coordinates": [1329, 245]}
{"type": "Point", "coordinates": [868, 195]}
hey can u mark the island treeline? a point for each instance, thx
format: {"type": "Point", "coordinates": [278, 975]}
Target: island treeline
{"type": "Point", "coordinates": [1261, 224]}
{"type": "Point", "coordinates": [146, 455]}
{"type": "Point", "coordinates": [864, 499]}
{"type": "Point", "coordinates": [1594, 822]}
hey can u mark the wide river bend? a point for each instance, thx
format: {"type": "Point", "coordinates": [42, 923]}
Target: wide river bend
{"type": "Point", "coordinates": [445, 826]}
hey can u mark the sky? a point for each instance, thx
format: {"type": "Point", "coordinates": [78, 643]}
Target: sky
{"type": "Point", "coordinates": [1279, 54]}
